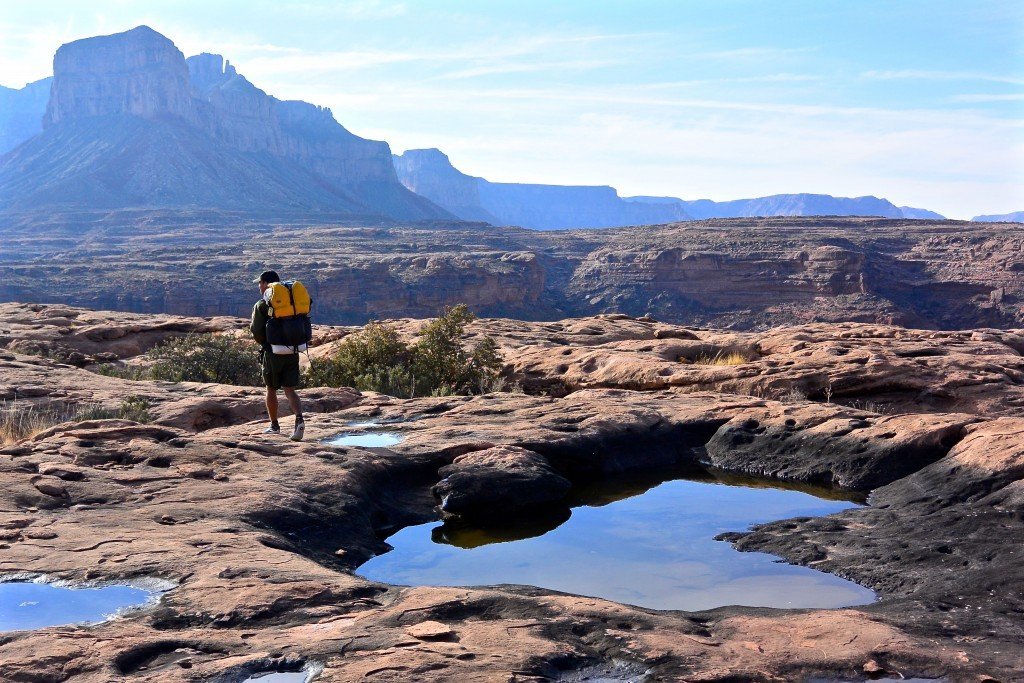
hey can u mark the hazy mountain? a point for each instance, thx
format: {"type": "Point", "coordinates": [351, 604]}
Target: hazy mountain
{"type": "Point", "coordinates": [1015, 217]}
{"type": "Point", "coordinates": [131, 124]}
{"type": "Point", "coordinates": [21, 113]}
{"type": "Point", "coordinates": [922, 214]}
{"type": "Point", "coordinates": [430, 173]}
{"type": "Point", "coordinates": [542, 207]}
{"type": "Point", "coordinates": [783, 205]}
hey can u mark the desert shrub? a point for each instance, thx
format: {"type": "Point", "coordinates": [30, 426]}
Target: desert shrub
{"type": "Point", "coordinates": [376, 359]}
{"type": "Point", "coordinates": [205, 358]}
{"type": "Point", "coordinates": [793, 395]}
{"type": "Point", "coordinates": [133, 372]}
{"type": "Point", "coordinates": [134, 408]}
{"type": "Point", "coordinates": [722, 358]}
{"type": "Point", "coordinates": [21, 421]}
{"type": "Point", "coordinates": [373, 359]}
{"type": "Point", "coordinates": [195, 358]}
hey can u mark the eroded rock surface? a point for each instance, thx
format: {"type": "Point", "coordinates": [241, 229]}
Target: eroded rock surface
{"type": "Point", "coordinates": [744, 273]}
{"type": "Point", "coordinates": [261, 536]}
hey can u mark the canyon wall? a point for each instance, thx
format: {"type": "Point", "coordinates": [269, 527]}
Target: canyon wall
{"type": "Point", "coordinates": [742, 273]}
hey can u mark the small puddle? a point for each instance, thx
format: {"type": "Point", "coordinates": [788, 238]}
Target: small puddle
{"type": "Point", "coordinates": [32, 605]}
{"type": "Point", "coordinates": [638, 541]}
{"type": "Point", "coordinates": [366, 439]}
{"type": "Point", "coordinates": [880, 680]}
{"type": "Point", "coordinates": [278, 677]}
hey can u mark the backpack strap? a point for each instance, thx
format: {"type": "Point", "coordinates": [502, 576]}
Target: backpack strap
{"type": "Point", "coordinates": [291, 297]}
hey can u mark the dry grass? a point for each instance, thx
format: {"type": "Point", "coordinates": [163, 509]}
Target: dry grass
{"type": "Point", "coordinates": [722, 358]}
{"type": "Point", "coordinates": [24, 420]}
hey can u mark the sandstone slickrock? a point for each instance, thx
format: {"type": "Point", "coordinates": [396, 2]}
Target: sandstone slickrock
{"type": "Point", "coordinates": [260, 536]}
{"type": "Point", "coordinates": [499, 481]}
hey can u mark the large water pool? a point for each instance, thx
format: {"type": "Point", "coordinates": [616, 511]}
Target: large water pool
{"type": "Point", "coordinates": [31, 605]}
{"type": "Point", "coordinates": [633, 541]}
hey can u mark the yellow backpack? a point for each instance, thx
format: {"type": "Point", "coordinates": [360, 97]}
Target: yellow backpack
{"type": "Point", "coordinates": [287, 299]}
{"type": "Point", "coordinates": [289, 329]}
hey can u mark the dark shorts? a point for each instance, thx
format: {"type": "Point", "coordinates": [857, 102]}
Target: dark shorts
{"type": "Point", "coordinates": [280, 370]}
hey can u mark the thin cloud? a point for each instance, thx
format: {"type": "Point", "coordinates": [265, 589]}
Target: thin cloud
{"type": "Point", "coordinates": [492, 56]}
{"type": "Point", "coordinates": [982, 97]}
{"type": "Point", "coordinates": [534, 67]}
{"type": "Point", "coordinates": [749, 53]}
{"type": "Point", "coordinates": [925, 75]}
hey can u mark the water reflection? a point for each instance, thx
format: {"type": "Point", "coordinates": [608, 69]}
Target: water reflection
{"type": "Point", "coordinates": [278, 677]}
{"type": "Point", "coordinates": [30, 605]}
{"type": "Point", "coordinates": [637, 540]}
{"type": "Point", "coordinates": [366, 439]}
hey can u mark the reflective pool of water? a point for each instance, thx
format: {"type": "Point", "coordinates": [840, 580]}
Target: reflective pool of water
{"type": "Point", "coordinates": [366, 439]}
{"type": "Point", "coordinates": [25, 605]}
{"type": "Point", "coordinates": [635, 541]}
{"type": "Point", "coordinates": [278, 677]}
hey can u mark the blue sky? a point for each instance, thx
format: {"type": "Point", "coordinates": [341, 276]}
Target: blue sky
{"type": "Point", "coordinates": [920, 102]}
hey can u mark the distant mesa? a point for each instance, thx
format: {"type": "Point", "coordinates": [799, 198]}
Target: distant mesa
{"type": "Point", "coordinates": [430, 173]}
{"type": "Point", "coordinates": [130, 123]}
{"type": "Point", "coordinates": [1015, 217]}
{"type": "Point", "coordinates": [921, 214]}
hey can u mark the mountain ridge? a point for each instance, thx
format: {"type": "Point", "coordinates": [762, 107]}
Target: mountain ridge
{"type": "Point", "coordinates": [1013, 217]}
{"type": "Point", "coordinates": [126, 127]}
{"type": "Point", "coordinates": [546, 207]}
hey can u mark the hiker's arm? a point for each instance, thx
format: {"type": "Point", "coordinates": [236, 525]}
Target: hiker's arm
{"type": "Point", "coordinates": [258, 325]}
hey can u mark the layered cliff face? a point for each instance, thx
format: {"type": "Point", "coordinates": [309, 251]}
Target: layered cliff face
{"type": "Point", "coordinates": [21, 113]}
{"type": "Point", "coordinates": [429, 172]}
{"type": "Point", "coordinates": [131, 123]}
{"type": "Point", "coordinates": [742, 273]}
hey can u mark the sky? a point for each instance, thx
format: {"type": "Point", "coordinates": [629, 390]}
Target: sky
{"type": "Point", "coordinates": [917, 101]}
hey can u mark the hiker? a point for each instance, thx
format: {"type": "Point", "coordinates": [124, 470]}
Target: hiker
{"type": "Point", "coordinates": [280, 367]}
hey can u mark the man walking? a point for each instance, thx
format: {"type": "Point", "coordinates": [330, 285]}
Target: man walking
{"type": "Point", "coordinates": [280, 370]}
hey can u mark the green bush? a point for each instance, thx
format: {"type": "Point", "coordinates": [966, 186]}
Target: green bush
{"type": "Point", "coordinates": [134, 408]}
{"type": "Point", "coordinates": [376, 359]}
{"type": "Point", "coordinates": [212, 358]}
{"type": "Point", "coordinates": [373, 359]}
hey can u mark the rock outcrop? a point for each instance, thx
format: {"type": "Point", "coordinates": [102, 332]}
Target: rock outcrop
{"type": "Point", "coordinates": [138, 72]}
{"type": "Point", "coordinates": [130, 123]}
{"type": "Point", "coordinates": [261, 537]}
{"type": "Point", "coordinates": [738, 273]}
{"type": "Point", "coordinates": [21, 113]}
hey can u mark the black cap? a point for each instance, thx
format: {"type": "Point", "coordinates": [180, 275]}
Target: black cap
{"type": "Point", "coordinates": [268, 276]}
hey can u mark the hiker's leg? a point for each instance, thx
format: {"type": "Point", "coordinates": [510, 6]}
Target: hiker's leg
{"type": "Point", "coordinates": [272, 404]}
{"type": "Point", "coordinates": [294, 402]}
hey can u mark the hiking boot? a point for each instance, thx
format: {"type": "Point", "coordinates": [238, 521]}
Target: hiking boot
{"type": "Point", "coordinates": [300, 429]}
{"type": "Point", "coordinates": [272, 429]}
